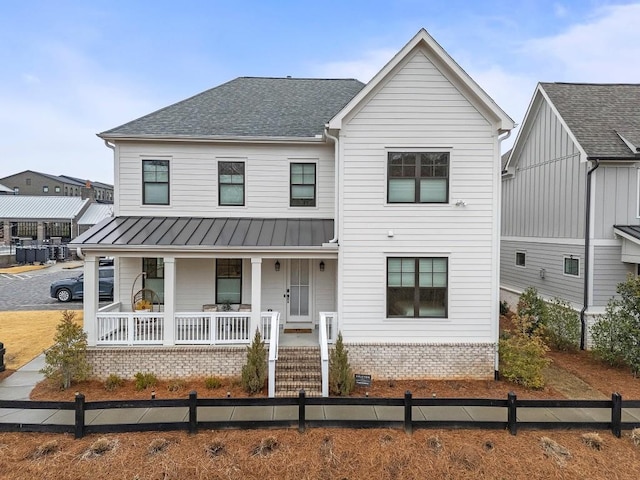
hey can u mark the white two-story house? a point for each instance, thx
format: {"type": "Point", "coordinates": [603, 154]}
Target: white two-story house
{"type": "Point", "coordinates": [307, 206]}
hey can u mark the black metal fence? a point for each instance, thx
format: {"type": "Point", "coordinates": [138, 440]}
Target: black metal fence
{"type": "Point", "coordinates": [79, 427]}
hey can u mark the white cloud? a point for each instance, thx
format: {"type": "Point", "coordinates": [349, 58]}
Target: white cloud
{"type": "Point", "coordinates": [560, 10]}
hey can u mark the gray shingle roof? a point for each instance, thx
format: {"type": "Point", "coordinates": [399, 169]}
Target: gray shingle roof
{"type": "Point", "coordinates": [596, 112]}
{"type": "Point", "coordinates": [249, 107]}
{"type": "Point", "coordinates": [209, 232]}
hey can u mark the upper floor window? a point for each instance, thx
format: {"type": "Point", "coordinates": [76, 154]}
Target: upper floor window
{"type": "Point", "coordinates": [521, 259]}
{"type": "Point", "coordinates": [415, 177]}
{"type": "Point", "coordinates": [28, 181]}
{"type": "Point", "coordinates": [45, 189]}
{"type": "Point", "coordinates": [571, 266]}
{"type": "Point", "coordinates": [228, 280]}
{"type": "Point", "coordinates": [155, 182]}
{"type": "Point", "coordinates": [303, 185]}
{"type": "Point", "coordinates": [231, 183]}
{"type": "Point", "coordinates": [417, 287]}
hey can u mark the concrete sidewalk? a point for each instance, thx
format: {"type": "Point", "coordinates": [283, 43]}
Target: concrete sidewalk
{"type": "Point", "coordinates": [19, 385]}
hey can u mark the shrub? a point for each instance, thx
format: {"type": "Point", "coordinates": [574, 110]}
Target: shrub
{"type": "Point", "coordinates": [112, 382]}
{"type": "Point", "coordinates": [616, 334]}
{"type": "Point", "coordinates": [254, 372]}
{"type": "Point", "coordinates": [145, 380]}
{"type": "Point", "coordinates": [531, 305]}
{"type": "Point", "coordinates": [66, 360]}
{"type": "Point", "coordinates": [522, 354]}
{"type": "Point", "coordinates": [563, 326]}
{"type": "Point", "coordinates": [341, 379]}
{"type": "Point", "coordinates": [176, 385]}
{"type": "Point", "coordinates": [212, 383]}
{"type": "Point", "coordinates": [504, 308]}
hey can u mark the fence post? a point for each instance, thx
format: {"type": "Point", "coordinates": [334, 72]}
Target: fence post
{"type": "Point", "coordinates": [616, 414]}
{"type": "Point", "coordinates": [79, 424]}
{"type": "Point", "coordinates": [408, 423]}
{"type": "Point", "coordinates": [193, 412]}
{"type": "Point", "coordinates": [2, 352]}
{"type": "Point", "coordinates": [302, 397]}
{"type": "Point", "coordinates": [511, 416]}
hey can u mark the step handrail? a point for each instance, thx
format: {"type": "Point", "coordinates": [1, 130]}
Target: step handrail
{"type": "Point", "coordinates": [273, 351]}
{"type": "Point", "coordinates": [324, 352]}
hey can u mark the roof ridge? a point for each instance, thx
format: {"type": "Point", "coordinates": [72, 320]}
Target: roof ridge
{"type": "Point", "coordinates": [592, 84]}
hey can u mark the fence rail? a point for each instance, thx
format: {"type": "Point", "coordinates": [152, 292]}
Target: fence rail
{"type": "Point", "coordinates": [504, 418]}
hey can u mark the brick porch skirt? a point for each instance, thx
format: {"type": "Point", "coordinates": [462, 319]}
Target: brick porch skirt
{"type": "Point", "coordinates": [382, 361]}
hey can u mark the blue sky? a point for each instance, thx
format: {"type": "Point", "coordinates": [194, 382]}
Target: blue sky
{"type": "Point", "coordinates": [71, 69]}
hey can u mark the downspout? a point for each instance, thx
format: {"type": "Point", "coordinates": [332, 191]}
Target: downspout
{"type": "Point", "coordinates": [496, 327]}
{"type": "Point", "coordinates": [336, 186]}
{"type": "Point", "coordinates": [587, 245]}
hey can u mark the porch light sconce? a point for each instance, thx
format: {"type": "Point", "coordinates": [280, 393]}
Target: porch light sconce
{"type": "Point", "coordinates": [322, 265]}
{"type": "Point", "coordinates": [277, 265]}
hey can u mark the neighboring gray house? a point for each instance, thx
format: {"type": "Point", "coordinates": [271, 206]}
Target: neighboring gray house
{"type": "Point", "coordinates": [570, 201]}
{"type": "Point", "coordinates": [29, 182]}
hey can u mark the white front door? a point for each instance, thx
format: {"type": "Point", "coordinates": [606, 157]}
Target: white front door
{"type": "Point", "coordinates": [299, 291]}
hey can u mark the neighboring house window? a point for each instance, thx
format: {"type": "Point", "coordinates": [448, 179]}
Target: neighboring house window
{"type": "Point", "coordinates": [45, 189]}
{"type": "Point", "coordinates": [571, 266]}
{"type": "Point", "coordinates": [228, 280]}
{"type": "Point", "coordinates": [57, 189]}
{"type": "Point", "coordinates": [521, 259]}
{"type": "Point", "coordinates": [28, 181]}
{"type": "Point", "coordinates": [16, 190]}
{"type": "Point", "coordinates": [155, 182]}
{"type": "Point", "coordinates": [418, 177]}
{"type": "Point", "coordinates": [303, 185]}
{"type": "Point", "coordinates": [154, 278]}
{"type": "Point", "coordinates": [231, 183]}
{"type": "Point", "coordinates": [417, 287]}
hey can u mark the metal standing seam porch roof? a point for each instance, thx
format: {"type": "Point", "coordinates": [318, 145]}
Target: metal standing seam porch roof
{"type": "Point", "coordinates": [120, 232]}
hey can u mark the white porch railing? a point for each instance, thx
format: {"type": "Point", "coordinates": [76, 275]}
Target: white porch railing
{"type": "Point", "coordinates": [327, 333]}
{"type": "Point", "coordinates": [191, 328]}
{"type": "Point", "coordinates": [274, 330]}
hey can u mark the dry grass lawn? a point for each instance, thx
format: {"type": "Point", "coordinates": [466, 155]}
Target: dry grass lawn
{"type": "Point", "coordinates": [27, 334]}
{"type": "Point", "coordinates": [22, 269]}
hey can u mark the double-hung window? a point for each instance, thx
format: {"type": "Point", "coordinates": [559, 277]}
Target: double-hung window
{"type": "Point", "coordinates": [154, 276]}
{"type": "Point", "coordinates": [572, 266]}
{"type": "Point", "coordinates": [228, 280]}
{"type": "Point", "coordinates": [303, 185]}
{"type": "Point", "coordinates": [155, 182]}
{"type": "Point", "coordinates": [231, 183]}
{"type": "Point", "coordinates": [417, 287]}
{"type": "Point", "coordinates": [418, 177]}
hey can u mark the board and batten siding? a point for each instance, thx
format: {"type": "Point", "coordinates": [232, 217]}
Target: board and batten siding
{"type": "Point", "coordinates": [616, 199]}
{"type": "Point", "coordinates": [194, 179]}
{"type": "Point", "coordinates": [418, 108]}
{"type": "Point", "coordinates": [542, 256]}
{"type": "Point", "coordinates": [546, 195]}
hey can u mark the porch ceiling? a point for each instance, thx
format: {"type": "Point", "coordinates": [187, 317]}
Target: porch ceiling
{"type": "Point", "coordinates": [207, 232]}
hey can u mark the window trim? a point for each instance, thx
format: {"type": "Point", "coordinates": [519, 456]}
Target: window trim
{"type": "Point", "coordinates": [146, 277]}
{"type": "Point", "coordinates": [241, 279]}
{"type": "Point", "coordinates": [524, 263]}
{"type": "Point", "coordinates": [564, 265]}
{"type": "Point", "coordinates": [416, 286]}
{"type": "Point", "coordinates": [168, 182]}
{"type": "Point", "coordinates": [315, 183]}
{"type": "Point", "coordinates": [417, 176]}
{"type": "Point", "coordinates": [244, 184]}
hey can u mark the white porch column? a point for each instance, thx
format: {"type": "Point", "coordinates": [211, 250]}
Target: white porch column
{"type": "Point", "coordinates": [256, 294]}
{"type": "Point", "coordinates": [169, 300]}
{"type": "Point", "coordinates": [91, 297]}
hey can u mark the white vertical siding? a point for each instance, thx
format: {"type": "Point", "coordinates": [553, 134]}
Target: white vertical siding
{"type": "Point", "coordinates": [616, 199]}
{"type": "Point", "coordinates": [194, 180]}
{"type": "Point", "coordinates": [546, 197]}
{"type": "Point", "coordinates": [418, 108]}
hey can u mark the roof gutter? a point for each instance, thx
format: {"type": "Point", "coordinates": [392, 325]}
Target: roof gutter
{"type": "Point", "coordinates": [211, 138]}
{"type": "Point", "coordinates": [336, 187]}
{"type": "Point", "coordinates": [587, 247]}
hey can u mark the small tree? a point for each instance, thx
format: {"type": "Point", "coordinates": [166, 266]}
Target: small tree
{"type": "Point", "coordinates": [66, 360]}
{"type": "Point", "coordinates": [522, 353]}
{"type": "Point", "coordinates": [254, 372]}
{"type": "Point", "coordinates": [532, 306]}
{"type": "Point", "coordinates": [341, 379]}
{"type": "Point", "coordinates": [563, 326]}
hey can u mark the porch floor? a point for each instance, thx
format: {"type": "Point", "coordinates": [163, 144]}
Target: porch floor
{"type": "Point", "coordinates": [299, 339]}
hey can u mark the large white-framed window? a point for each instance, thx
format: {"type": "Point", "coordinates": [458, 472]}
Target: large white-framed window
{"type": "Point", "coordinates": [155, 182]}
{"type": "Point", "coordinates": [302, 184]}
{"type": "Point", "coordinates": [417, 287]}
{"type": "Point", "coordinates": [228, 280]}
{"type": "Point", "coordinates": [154, 276]}
{"type": "Point", "coordinates": [571, 265]}
{"type": "Point", "coordinates": [521, 259]}
{"type": "Point", "coordinates": [231, 183]}
{"type": "Point", "coordinates": [417, 177]}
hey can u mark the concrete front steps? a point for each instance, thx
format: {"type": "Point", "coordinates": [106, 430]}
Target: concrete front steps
{"type": "Point", "coordinates": [298, 368]}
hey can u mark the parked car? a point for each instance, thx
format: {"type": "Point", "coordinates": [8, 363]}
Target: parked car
{"type": "Point", "coordinates": [69, 289]}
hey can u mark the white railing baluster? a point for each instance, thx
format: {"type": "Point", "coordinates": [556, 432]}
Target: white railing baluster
{"type": "Point", "coordinates": [274, 330]}
{"type": "Point", "coordinates": [328, 323]}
